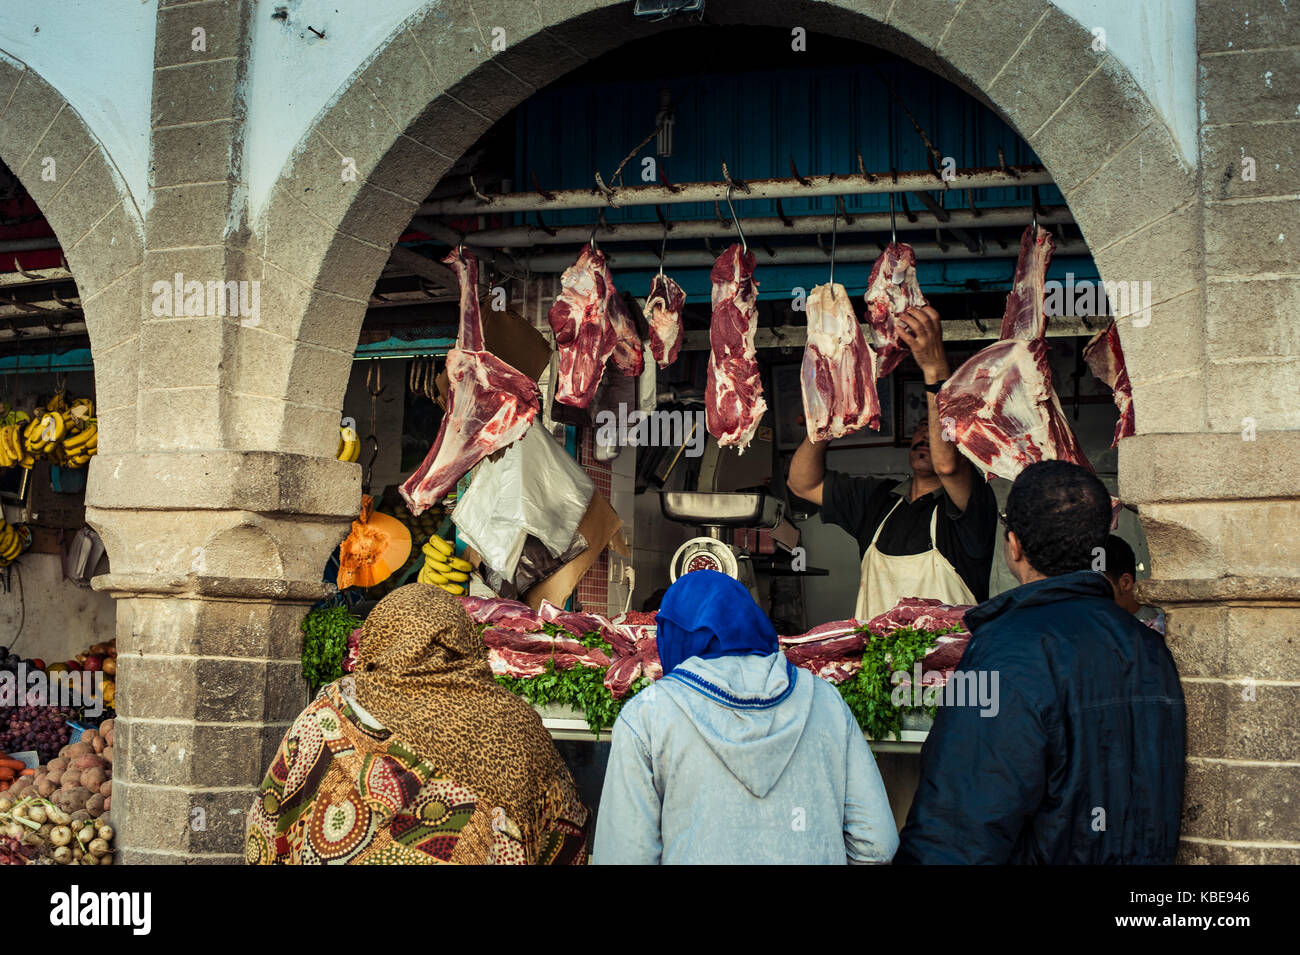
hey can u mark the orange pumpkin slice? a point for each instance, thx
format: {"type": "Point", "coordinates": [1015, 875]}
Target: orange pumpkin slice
{"type": "Point", "coordinates": [376, 548]}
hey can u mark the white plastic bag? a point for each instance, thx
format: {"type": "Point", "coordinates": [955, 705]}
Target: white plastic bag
{"type": "Point", "coordinates": [536, 488]}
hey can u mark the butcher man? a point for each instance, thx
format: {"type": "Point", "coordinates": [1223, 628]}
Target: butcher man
{"type": "Point", "coordinates": [929, 536]}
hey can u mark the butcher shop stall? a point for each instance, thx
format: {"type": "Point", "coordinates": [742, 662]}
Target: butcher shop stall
{"type": "Point", "coordinates": [591, 357]}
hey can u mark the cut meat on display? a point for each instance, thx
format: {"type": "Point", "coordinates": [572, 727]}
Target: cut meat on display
{"type": "Point", "coordinates": [833, 650]}
{"type": "Point", "coordinates": [733, 397]}
{"type": "Point", "coordinates": [1000, 407]}
{"type": "Point", "coordinates": [663, 308]}
{"type": "Point", "coordinates": [1105, 357]}
{"type": "Point", "coordinates": [1024, 317]}
{"type": "Point", "coordinates": [584, 335]}
{"type": "Point", "coordinates": [919, 613]}
{"type": "Point", "coordinates": [489, 404]}
{"type": "Point", "coordinates": [838, 377]}
{"type": "Point", "coordinates": [891, 290]}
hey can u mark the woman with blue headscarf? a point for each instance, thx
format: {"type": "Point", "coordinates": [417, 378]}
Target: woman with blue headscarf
{"type": "Point", "coordinates": [736, 756]}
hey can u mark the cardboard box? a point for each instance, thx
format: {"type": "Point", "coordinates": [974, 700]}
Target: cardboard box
{"type": "Point", "coordinates": [512, 339]}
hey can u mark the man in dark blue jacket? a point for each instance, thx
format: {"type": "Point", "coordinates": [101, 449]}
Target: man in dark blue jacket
{"type": "Point", "coordinates": [1081, 759]}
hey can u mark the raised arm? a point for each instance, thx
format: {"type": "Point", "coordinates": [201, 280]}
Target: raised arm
{"type": "Point", "coordinates": [924, 335]}
{"type": "Point", "coordinates": [808, 470]}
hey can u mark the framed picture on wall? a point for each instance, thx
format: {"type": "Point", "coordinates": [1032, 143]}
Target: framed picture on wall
{"type": "Point", "coordinates": [912, 408]}
{"type": "Point", "coordinates": [787, 400]}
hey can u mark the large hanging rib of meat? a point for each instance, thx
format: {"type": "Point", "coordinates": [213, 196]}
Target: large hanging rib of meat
{"type": "Point", "coordinates": [663, 307]}
{"type": "Point", "coordinates": [1002, 412]}
{"type": "Point", "coordinates": [838, 376]}
{"type": "Point", "coordinates": [489, 403]}
{"type": "Point", "coordinates": [1024, 316]}
{"type": "Point", "coordinates": [584, 336]}
{"type": "Point", "coordinates": [733, 396]}
{"type": "Point", "coordinates": [891, 290]}
{"type": "Point", "coordinates": [1000, 407]}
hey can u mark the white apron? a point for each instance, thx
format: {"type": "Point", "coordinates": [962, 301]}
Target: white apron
{"type": "Point", "coordinates": [886, 580]}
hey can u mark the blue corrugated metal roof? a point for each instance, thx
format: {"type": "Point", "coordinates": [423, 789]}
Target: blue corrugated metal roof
{"type": "Point", "coordinates": [755, 122]}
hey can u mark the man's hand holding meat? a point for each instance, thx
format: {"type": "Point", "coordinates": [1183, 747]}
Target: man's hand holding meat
{"type": "Point", "coordinates": [921, 329]}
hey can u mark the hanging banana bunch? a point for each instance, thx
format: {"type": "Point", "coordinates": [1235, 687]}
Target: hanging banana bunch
{"type": "Point", "coordinates": [349, 444]}
{"type": "Point", "coordinates": [12, 542]}
{"type": "Point", "coordinates": [442, 568]}
{"type": "Point", "coordinates": [67, 435]}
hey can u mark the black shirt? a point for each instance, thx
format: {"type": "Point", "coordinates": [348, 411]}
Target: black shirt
{"type": "Point", "coordinates": [964, 538]}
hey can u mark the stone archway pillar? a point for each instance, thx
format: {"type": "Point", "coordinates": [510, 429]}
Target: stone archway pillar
{"type": "Point", "coordinates": [216, 556]}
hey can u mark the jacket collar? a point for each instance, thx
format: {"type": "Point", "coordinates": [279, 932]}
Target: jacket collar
{"type": "Point", "coordinates": [1079, 583]}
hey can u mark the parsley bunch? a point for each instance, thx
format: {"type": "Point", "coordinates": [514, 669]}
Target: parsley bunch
{"type": "Point", "coordinates": [582, 688]}
{"type": "Point", "coordinates": [869, 692]}
{"type": "Point", "coordinates": [325, 644]}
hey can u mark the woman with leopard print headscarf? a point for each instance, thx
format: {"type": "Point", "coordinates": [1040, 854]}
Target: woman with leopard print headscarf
{"type": "Point", "coordinates": [417, 757]}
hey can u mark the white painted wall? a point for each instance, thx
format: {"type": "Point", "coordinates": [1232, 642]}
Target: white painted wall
{"type": "Point", "coordinates": [295, 75]}
{"type": "Point", "coordinates": [99, 55]}
{"type": "Point", "coordinates": [1156, 41]}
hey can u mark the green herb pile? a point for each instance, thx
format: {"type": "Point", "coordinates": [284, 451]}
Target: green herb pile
{"type": "Point", "coordinates": [582, 688]}
{"type": "Point", "coordinates": [869, 692]}
{"type": "Point", "coordinates": [325, 644]}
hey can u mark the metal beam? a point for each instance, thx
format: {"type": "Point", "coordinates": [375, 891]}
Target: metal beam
{"type": "Point", "coordinates": [954, 330]}
{"type": "Point", "coordinates": [423, 266]}
{"type": "Point", "coordinates": [992, 177]}
{"type": "Point", "coordinates": [523, 236]}
{"type": "Point", "coordinates": [550, 262]}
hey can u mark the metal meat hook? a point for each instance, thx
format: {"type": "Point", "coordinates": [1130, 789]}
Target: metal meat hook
{"type": "Point", "coordinates": [736, 219]}
{"type": "Point", "coordinates": [663, 248]}
{"type": "Point", "coordinates": [835, 222]}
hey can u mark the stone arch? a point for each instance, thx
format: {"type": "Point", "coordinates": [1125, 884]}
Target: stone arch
{"type": "Point", "coordinates": [435, 87]}
{"type": "Point", "coordinates": [99, 227]}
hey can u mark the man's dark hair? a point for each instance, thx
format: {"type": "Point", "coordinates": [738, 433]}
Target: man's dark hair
{"type": "Point", "coordinates": [1120, 559]}
{"type": "Point", "coordinates": [1061, 514]}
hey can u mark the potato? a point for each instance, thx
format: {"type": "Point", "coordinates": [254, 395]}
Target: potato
{"type": "Point", "coordinates": [72, 800]}
{"type": "Point", "coordinates": [95, 805]}
{"type": "Point", "coordinates": [92, 779]}
{"type": "Point", "coordinates": [98, 743]}
{"type": "Point", "coordinates": [108, 803]}
{"type": "Point", "coordinates": [71, 780]}
{"type": "Point", "coordinates": [89, 762]}
{"type": "Point", "coordinates": [56, 776]}
{"type": "Point", "coordinates": [106, 790]}
{"type": "Point", "coordinates": [108, 754]}
{"type": "Point", "coordinates": [46, 788]}
{"type": "Point", "coordinates": [106, 730]}
{"type": "Point", "coordinates": [57, 765]}
{"type": "Point", "coordinates": [73, 750]}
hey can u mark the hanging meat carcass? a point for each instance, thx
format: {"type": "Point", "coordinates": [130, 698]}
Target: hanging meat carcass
{"type": "Point", "coordinates": [1105, 357]}
{"type": "Point", "coordinates": [629, 353]}
{"type": "Point", "coordinates": [838, 376]}
{"type": "Point", "coordinates": [1002, 412]}
{"type": "Point", "coordinates": [663, 307]}
{"type": "Point", "coordinates": [891, 290]}
{"type": "Point", "coordinates": [584, 336]}
{"type": "Point", "coordinates": [489, 403]}
{"type": "Point", "coordinates": [1000, 407]}
{"type": "Point", "coordinates": [1024, 316]}
{"type": "Point", "coordinates": [733, 397]}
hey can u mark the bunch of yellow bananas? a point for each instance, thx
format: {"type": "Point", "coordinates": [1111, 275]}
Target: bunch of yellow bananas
{"type": "Point", "coordinates": [349, 445]}
{"type": "Point", "coordinates": [11, 544]}
{"type": "Point", "coordinates": [442, 568]}
{"type": "Point", "coordinates": [68, 436]}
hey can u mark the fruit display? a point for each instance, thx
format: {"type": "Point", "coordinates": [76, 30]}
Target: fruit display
{"type": "Point", "coordinates": [65, 432]}
{"type": "Point", "coordinates": [61, 808]}
{"type": "Point", "coordinates": [44, 729]}
{"type": "Point", "coordinates": [442, 568]}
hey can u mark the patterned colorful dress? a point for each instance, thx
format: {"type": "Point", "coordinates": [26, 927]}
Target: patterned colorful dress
{"type": "Point", "coordinates": [340, 792]}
